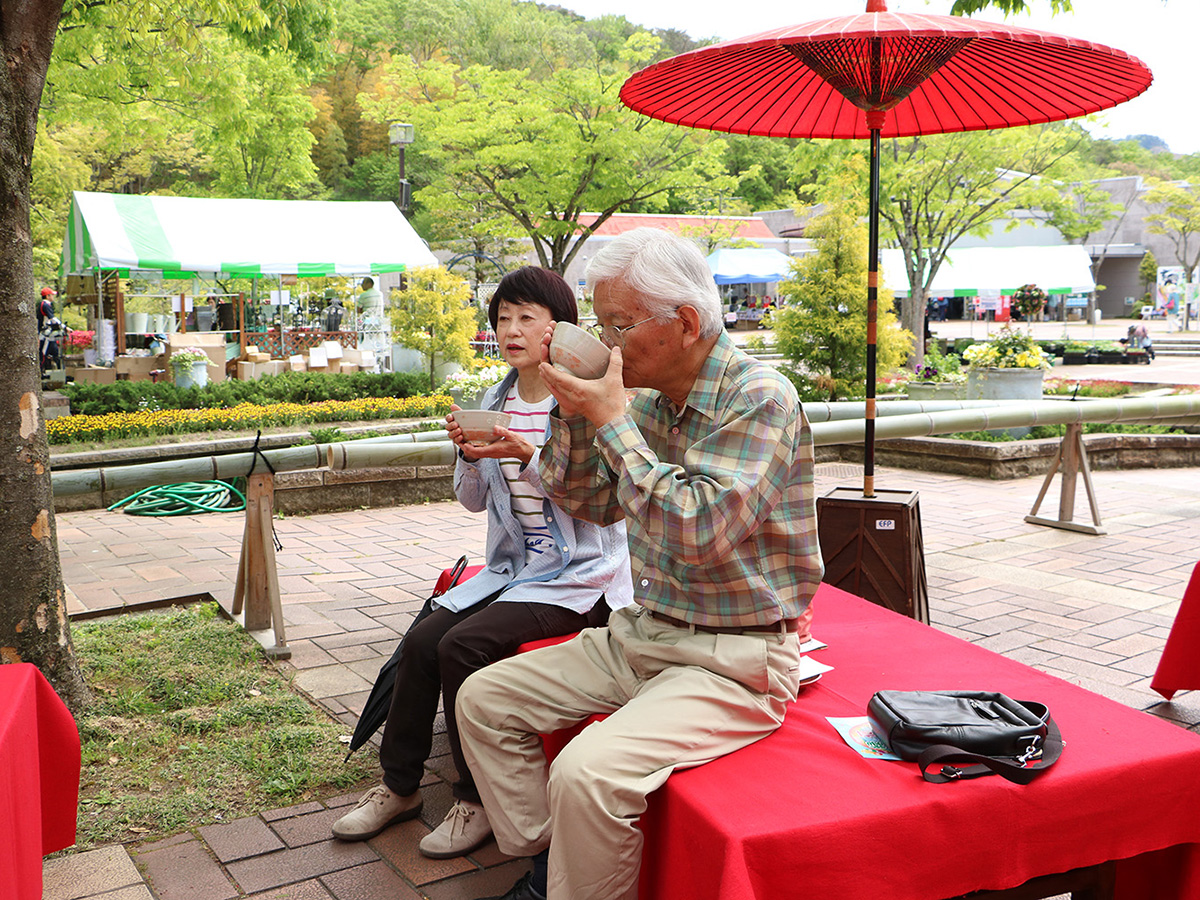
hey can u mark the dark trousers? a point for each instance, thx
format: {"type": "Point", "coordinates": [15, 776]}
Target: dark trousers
{"type": "Point", "coordinates": [440, 650]}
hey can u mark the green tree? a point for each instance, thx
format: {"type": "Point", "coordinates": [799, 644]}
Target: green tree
{"type": "Point", "coordinates": [433, 315]}
{"type": "Point", "coordinates": [944, 187]}
{"type": "Point", "coordinates": [1176, 216]}
{"type": "Point", "coordinates": [1148, 273]}
{"type": "Point", "coordinates": [33, 618]}
{"type": "Point", "coordinates": [540, 154]}
{"type": "Point", "coordinates": [821, 329]}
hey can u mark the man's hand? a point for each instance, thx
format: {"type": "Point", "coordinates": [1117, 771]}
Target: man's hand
{"type": "Point", "coordinates": [599, 400]}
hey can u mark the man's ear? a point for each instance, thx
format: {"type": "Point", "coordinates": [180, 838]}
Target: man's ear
{"type": "Point", "coordinates": [691, 325]}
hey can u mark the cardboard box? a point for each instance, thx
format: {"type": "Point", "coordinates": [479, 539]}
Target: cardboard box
{"type": "Point", "coordinates": [247, 371]}
{"type": "Point", "coordinates": [95, 374]}
{"type": "Point", "coordinates": [351, 355]}
{"type": "Point", "coordinates": [297, 363]}
{"type": "Point", "coordinates": [138, 368]}
{"type": "Point", "coordinates": [272, 367]}
{"type": "Point", "coordinates": [333, 349]}
{"type": "Point", "coordinates": [367, 362]}
{"type": "Point", "coordinates": [317, 358]}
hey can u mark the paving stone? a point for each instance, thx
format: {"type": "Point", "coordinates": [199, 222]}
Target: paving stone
{"type": "Point", "coordinates": [303, 863]}
{"type": "Point", "coordinates": [397, 846]}
{"type": "Point", "coordinates": [307, 829]}
{"type": "Point", "coordinates": [369, 882]}
{"type": "Point", "coordinates": [330, 681]}
{"type": "Point", "coordinates": [481, 883]}
{"type": "Point", "coordinates": [239, 839]}
{"type": "Point", "coordinates": [185, 872]}
{"type": "Point", "coordinates": [286, 812]}
{"type": "Point", "coordinates": [86, 874]}
{"type": "Point", "coordinates": [304, 890]}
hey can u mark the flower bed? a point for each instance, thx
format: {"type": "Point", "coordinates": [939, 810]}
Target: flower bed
{"type": "Point", "coordinates": [66, 429]}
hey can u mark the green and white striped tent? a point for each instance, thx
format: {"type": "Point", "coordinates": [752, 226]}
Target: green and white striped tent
{"type": "Point", "coordinates": [186, 237]}
{"type": "Point", "coordinates": [969, 272]}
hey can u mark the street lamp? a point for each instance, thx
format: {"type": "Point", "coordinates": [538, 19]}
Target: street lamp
{"type": "Point", "coordinates": [401, 134]}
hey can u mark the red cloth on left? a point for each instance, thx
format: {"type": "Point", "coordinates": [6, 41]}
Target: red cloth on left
{"type": "Point", "coordinates": [39, 778]}
{"type": "Point", "coordinates": [1179, 667]}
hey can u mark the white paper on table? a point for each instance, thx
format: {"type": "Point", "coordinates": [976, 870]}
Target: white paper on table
{"type": "Point", "coordinates": [812, 644]}
{"type": "Point", "coordinates": [856, 731]}
{"type": "Point", "coordinates": [811, 670]}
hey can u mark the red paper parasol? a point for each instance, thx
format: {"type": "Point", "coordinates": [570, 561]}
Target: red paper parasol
{"type": "Point", "coordinates": [882, 74]}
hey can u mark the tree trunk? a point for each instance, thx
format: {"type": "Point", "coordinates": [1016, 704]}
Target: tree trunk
{"type": "Point", "coordinates": [33, 608]}
{"type": "Point", "coordinates": [912, 318]}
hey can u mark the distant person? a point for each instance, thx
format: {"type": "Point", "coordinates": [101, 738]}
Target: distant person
{"type": "Point", "coordinates": [49, 329]}
{"type": "Point", "coordinates": [370, 301]}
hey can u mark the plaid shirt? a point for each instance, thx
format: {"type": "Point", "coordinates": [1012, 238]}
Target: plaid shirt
{"type": "Point", "coordinates": [718, 497]}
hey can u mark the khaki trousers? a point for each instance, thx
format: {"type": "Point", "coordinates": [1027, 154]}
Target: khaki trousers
{"type": "Point", "coordinates": [674, 699]}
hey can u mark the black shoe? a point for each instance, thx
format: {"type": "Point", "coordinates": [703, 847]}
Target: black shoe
{"type": "Point", "coordinates": [522, 890]}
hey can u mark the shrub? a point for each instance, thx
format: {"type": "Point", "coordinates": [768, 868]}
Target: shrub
{"type": "Point", "coordinates": [290, 387]}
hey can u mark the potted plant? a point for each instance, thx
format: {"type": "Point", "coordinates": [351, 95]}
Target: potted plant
{"type": "Point", "coordinates": [85, 343]}
{"type": "Point", "coordinates": [467, 387]}
{"type": "Point", "coordinates": [1077, 353]}
{"type": "Point", "coordinates": [1029, 300]}
{"type": "Point", "coordinates": [940, 377]}
{"type": "Point", "coordinates": [189, 367]}
{"type": "Point", "coordinates": [1110, 353]}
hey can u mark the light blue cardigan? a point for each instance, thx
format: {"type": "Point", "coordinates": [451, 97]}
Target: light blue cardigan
{"type": "Point", "coordinates": [591, 559]}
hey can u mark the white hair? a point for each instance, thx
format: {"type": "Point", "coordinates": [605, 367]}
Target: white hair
{"type": "Point", "coordinates": [666, 270]}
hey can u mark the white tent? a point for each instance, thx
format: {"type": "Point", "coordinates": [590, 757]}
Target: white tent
{"type": "Point", "coordinates": [1000, 270]}
{"type": "Point", "coordinates": [749, 266]}
{"type": "Point", "coordinates": [187, 236]}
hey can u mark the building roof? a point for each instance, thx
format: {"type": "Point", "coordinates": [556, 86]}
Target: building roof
{"type": "Point", "coordinates": [748, 227]}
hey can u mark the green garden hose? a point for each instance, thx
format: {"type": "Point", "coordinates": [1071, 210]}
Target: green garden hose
{"type": "Point", "coordinates": [183, 499]}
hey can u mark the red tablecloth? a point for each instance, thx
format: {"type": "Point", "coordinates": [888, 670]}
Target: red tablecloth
{"type": "Point", "coordinates": [800, 814]}
{"type": "Point", "coordinates": [1179, 667]}
{"type": "Point", "coordinates": [39, 779]}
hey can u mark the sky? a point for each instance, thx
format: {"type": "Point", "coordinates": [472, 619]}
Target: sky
{"type": "Point", "coordinates": [1163, 35]}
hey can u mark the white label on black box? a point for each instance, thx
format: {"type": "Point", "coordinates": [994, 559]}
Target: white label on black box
{"type": "Point", "coordinates": [885, 524]}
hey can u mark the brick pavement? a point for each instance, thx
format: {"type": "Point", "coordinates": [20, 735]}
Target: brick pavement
{"type": "Point", "coordinates": [1094, 610]}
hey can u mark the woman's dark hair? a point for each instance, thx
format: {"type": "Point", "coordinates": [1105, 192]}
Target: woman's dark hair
{"type": "Point", "coordinates": [531, 284]}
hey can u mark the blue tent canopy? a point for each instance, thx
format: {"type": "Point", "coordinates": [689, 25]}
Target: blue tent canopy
{"type": "Point", "coordinates": [749, 266]}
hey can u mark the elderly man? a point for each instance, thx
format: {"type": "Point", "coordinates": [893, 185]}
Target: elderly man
{"type": "Point", "coordinates": [711, 467]}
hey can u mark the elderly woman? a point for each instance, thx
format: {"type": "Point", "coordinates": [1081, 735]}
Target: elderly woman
{"type": "Point", "coordinates": [547, 574]}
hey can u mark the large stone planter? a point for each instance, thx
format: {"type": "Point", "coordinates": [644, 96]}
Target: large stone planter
{"type": "Point", "coordinates": [195, 375]}
{"type": "Point", "coordinates": [1006, 384]}
{"type": "Point", "coordinates": [936, 390]}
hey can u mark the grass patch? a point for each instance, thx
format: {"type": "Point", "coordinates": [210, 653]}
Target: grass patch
{"type": "Point", "coordinates": [193, 726]}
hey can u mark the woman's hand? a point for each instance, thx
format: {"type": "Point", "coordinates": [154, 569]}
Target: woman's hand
{"type": "Point", "coordinates": [506, 446]}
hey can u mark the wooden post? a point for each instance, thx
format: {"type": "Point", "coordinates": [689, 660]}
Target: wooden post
{"type": "Point", "coordinates": [1071, 457]}
{"type": "Point", "coordinates": [257, 585]}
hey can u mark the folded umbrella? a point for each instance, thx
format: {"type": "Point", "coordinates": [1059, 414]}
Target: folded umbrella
{"type": "Point", "coordinates": [375, 710]}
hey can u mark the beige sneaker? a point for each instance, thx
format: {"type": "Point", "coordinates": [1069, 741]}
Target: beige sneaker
{"type": "Point", "coordinates": [377, 809]}
{"type": "Point", "coordinates": [464, 828]}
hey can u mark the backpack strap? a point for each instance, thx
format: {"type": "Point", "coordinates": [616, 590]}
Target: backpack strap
{"type": "Point", "coordinates": [1042, 754]}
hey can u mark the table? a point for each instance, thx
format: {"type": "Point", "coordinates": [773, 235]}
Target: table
{"type": "Point", "coordinates": [800, 814]}
{"type": "Point", "coordinates": [39, 778]}
{"type": "Point", "coordinates": [1179, 666]}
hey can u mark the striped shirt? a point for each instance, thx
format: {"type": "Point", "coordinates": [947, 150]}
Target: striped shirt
{"type": "Point", "coordinates": [717, 497]}
{"type": "Point", "coordinates": [528, 421]}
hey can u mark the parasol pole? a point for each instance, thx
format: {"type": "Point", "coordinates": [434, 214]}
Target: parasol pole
{"type": "Point", "coordinates": [875, 119]}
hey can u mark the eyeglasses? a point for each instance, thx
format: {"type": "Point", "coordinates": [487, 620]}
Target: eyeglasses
{"type": "Point", "coordinates": [614, 335]}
